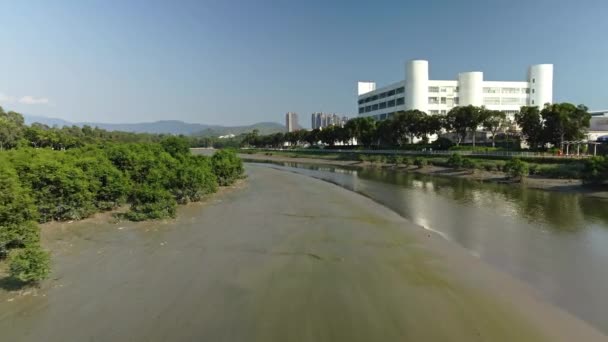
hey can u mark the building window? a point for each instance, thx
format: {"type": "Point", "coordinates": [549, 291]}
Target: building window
{"type": "Point", "coordinates": [443, 100]}
{"type": "Point", "coordinates": [361, 101]}
{"type": "Point", "coordinates": [532, 91]}
{"type": "Point", "coordinates": [434, 112]}
{"type": "Point", "coordinates": [491, 100]}
{"type": "Point", "coordinates": [400, 101]}
{"type": "Point", "coordinates": [443, 90]}
{"type": "Point", "coordinates": [368, 109]}
{"type": "Point", "coordinates": [510, 90]}
{"type": "Point", "coordinates": [491, 90]}
{"type": "Point", "coordinates": [525, 90]}
{"type": "Point", "coordinates": [457, 89]}
{"type": "Point", "coordinates": [534, 80]}
{"type": "Point", "coordinates": [361, 110]}
{"type": "Point", "coordinates": [444, 112]}
{"type": "Point", "coordinates": [391, 103]}
{"type": "Point", "coordinates": [456, 101]}
{"type": "Point", "coordinates": [390, 115]}
{"type": "Point", "coordinates": [374, 98]}
{"type": "Point", "coordinates": [433, 89]}
{"type": "Point", "coordinates": [450, 101]}
{"type": "Point", "coordinates": [391, 93]}
{"type": "Point", "coordinates": [375, 107]}
{"type": "Point", "coordinates": [433, 100]}
{"type": "Point", "coordinates": [382, 116]}
{"type": "Point", "coordinates": [399, 90]}
{"type": "Point", "coordinates": [382, 105]}
{"type": "Point", "coordinates": [510, 101]}
{"type": "Point", "coordinates": [382, 95]}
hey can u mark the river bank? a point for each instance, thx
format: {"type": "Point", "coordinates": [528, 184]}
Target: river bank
{"type": "Point", "coordinates": [534, 182]}
{"type": "Point", "coordinates": [312, 263]}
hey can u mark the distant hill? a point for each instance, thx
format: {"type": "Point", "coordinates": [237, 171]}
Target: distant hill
{"type": "Point", "coordinates": [263, 128]}
{"type": "Point", "coordinates": [164, 127]}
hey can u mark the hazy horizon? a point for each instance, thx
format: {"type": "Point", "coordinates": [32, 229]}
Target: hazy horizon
{"type": "Point", "coordinates": [236, 62]}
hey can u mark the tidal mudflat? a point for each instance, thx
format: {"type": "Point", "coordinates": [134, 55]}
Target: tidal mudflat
{"type": "Point", "coordinates": [284, 258]}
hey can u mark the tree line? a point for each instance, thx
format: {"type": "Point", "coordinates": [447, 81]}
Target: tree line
{"type": "Point", "coordinates": [95, 173]}
{"type": "Point", "coordinates": [553, 124]}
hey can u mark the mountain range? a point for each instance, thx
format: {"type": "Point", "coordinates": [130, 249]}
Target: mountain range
{"type": "Point", "coordinates": [164, 127]}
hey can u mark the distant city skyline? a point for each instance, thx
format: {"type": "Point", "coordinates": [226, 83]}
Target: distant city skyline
{"type": "Point", "coordinates": [239, 62]}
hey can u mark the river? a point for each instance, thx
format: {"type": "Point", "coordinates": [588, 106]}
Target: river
{"type": "Point", "coordinates": [556, 242]}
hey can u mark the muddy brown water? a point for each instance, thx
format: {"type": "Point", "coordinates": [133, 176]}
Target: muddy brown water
{"type": "Point", "coordinates": [555, 241]}
{"type": "Point", "coordinates": [284, 258]}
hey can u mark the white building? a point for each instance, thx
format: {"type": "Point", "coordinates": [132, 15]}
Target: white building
{"type": "Point", "coordinates": [291, 122]}
{"type": "Point", "coordinates": [598, 125]}
{"type": "Point", "coordinates": [416, 91]}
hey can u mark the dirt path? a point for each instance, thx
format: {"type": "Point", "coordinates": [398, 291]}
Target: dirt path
{"type": "Point", "coordinates": [285, 258]}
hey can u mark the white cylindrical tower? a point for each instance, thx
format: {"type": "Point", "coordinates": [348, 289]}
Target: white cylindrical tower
{"type": "Point", "coordinates": [417, 85]}
{"type": "Point", "coordinates": [470, 88]}
{"type": "Point", "coordinates": [540, 77]}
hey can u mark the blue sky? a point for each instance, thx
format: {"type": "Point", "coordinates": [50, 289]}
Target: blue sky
{"type": "Point", "coordinates": [239, 62]}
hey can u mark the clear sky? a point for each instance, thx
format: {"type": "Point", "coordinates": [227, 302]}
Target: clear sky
{"type": "Point", "coordinates": [239, 62]}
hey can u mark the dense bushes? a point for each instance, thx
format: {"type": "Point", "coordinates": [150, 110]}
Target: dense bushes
{"type": "Point", "coordinates": [43, 185]}
{"type": "Point", "coordinates": [30, 264]}
{"type": "Point", "coordinates": [17, 212]}
{"type": "Point", "coordinates": [595, 170]}
{"type": "Point", "coordinates": [149, 203]}
{"type": "Point", "coordinates": [227, 166]}
{"type": "Point", "coordinates": [516, 169]}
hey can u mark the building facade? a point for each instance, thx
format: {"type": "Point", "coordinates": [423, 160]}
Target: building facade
{"type": "Point", "coordinates": [598, 125]}
{"type": "Point", "coordinates": [291, 122]}
{"type": "Point", "coordinates": [416, 91]}
{"type": "Point", "coordinates": [321, 120]}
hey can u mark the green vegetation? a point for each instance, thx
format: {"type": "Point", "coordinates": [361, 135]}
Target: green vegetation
{"type": "Point", "coordinates": [596, 170]}
{"type": "Point", "coordinates": [30, 264]}
{"type": "Point", "coordinates": [553, 124]}
{"type": "Point", "coordinates": [516, 169]}
{"type": "Point", "coordinates": [227, 166]}
{"type": "Point", "coordinates": [550, 125]}
{"type": "Point", "coordinates": [71, 173]}
{"type": "Point", "coordinates": [420, 162]}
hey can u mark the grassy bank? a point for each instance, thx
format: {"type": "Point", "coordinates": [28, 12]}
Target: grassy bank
{"type": "Point", "coordinates": [554, 168]}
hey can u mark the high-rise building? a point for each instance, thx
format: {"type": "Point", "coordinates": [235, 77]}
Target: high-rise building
{"type": "Point", "coordinates": [321, 120]}
{"type": "Point", "coordinates": [291, 122]}
{"type": "Point", "coordinates": [416, 91]}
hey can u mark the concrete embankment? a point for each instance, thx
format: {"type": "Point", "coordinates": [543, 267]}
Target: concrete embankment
{"type": "Point", "coordinates": [285, 258]}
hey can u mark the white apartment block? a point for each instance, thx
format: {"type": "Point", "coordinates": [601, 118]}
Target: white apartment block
{"type": "Point", "coordinates": [416, 91]}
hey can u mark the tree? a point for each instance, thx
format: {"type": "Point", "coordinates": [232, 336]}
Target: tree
{"type": "Point", "coordinates": [493, 121]}
{"type": "Point", "coordinates": [176, 146]}
{"type": "Point", "coordinates": [431, 124]}
{"type": "Point", "coordinates": [407, 126]}
{"type": "Point", "coordinates": [386, 134]}
{"type": "Point", "coordinates": [312, 137]}
{"type": "Point", "coordinates": [563, 122]}
{"type": "Point", "coordinates": [531, 125]}
{"type": "Point", "coordinates": [328, 135]}
{"type": "Point", "coordinates": [11, 129]}
{"type": "Point", "coordinates": [17, 212]}
{"type": "Point", "coordinates": [459, 120]}
{"type": "Point", "coordinates": [363, 129]}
